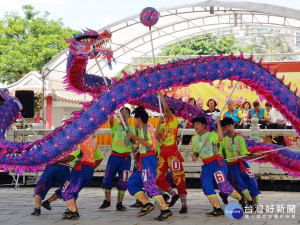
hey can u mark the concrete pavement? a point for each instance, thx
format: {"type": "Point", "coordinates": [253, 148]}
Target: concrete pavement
{"type": "Point", "coordinates": [17, 204]}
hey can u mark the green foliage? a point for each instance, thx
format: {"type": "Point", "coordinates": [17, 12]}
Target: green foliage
{"type": "Point", "coordinates": [203, 45]}
{"type": "Point", "coordinates": [268, 44]}
{"type": "Point", "coordinates": [214, 45]}
{"type": "Point", "coordinates": [28, 43]}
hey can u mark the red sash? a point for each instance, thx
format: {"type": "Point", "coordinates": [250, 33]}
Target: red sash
{"type": "Point", "coordinates": [169, 147]}
{"type": "Point", "coordinates": [171, 150]}
{"type": "Point", "coordinates": [240, 161]}
{"type": "Point", "coordinates": [211, 159]}
{"type": "Point", "coordinates": [126, 154]}
{"type": "Point", "coordinates": [78, 166]}
{"type": "Point", "coordinates": [142, 156]}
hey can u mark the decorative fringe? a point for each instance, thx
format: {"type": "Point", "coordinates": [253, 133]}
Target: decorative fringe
{"type": "Point", "coordinates": [286, 159]}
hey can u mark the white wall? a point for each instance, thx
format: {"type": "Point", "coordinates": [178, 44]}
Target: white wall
{"type": "Point", "coordinates": [61, 110]}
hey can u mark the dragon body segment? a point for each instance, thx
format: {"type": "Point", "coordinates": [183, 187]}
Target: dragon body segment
{"type": "Point", "coordinates": [137, 89]}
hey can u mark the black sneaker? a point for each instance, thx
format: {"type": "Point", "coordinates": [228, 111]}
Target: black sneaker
{"type": "Point", "coordinates": [243, 204]}
{"type": "Point", "coordinates": [71, 216]}
{"type": "Point", "coordinates": [165, 214]}
{"type": "Point", "coordinates": [166, 197]}
{"type": "Point", "coordinates": [137, 204]}
{"type": "Point", "coordinates": [104, 205]}
{"type": "Point", "coordinates": [120, 207]}
{"type": "Point", "coordinates": [36, 212]}
{"type": "Point", "coordinates": [224, 198]}
{"type": "Point", "coordinates": [183, 210]}
{"type": "Point", "coordinates": [148, 207]}
{"type": "Point", "coordinates": [251, 203]}
{"type": "Point", "coordinates": [66, 212]}
{"type": "Point", "coordinates": [216, 212]}
{"type": "Point", "coordinates": [46, 205]}
{"type": "Point", "coordinates": [173, 200]}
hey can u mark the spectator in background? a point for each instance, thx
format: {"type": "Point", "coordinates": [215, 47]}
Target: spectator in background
{"type": "Point", "coordinates": [276, 120]}
{"type": "Point", "coordinates": [261, 114]}
{"type": "Point", "coordinates": [192, 101]}
{"type": "Point", "coordinates": [200, 104]}
{"type": "Point", "coordinates": [235, 114]}
{"type": "Point", "coordinates": [212, 104]}
{"type": "Point", "coordinates": [268, 108]}
{"type": "Point", "coordinates": [246, 106]}
{"type": "Point", "coordinates": [186, 139]}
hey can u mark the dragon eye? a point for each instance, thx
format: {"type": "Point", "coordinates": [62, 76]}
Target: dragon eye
{"type": "Point", "coordinates": [85, 38]}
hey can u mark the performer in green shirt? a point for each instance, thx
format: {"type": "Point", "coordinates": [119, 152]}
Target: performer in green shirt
{"type": "Point", "coordinates": [119, 161]}
{"type": "Point", "coordinates": [239, 172]}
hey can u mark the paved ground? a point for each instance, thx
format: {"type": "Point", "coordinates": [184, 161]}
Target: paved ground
{"type": "Point", "coordinates": [17, 204]}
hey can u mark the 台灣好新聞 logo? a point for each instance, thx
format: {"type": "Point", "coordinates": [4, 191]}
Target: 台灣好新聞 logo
{"type": "Point", "coordinates": [233, 211]}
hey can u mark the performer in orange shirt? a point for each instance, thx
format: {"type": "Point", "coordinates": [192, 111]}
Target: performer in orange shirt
{"type": "Point", "coordinates": [88, 158]}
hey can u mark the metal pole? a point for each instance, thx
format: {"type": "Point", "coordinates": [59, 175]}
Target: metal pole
{"type": "Point", "coordinates": [152, 47]}
{"type": "Point", "coordinates": [23, 128]}
{"type": "Point", "coordinates": [43, 97]}
{"type": "Point", "coordinates": [181, 136]}
{"type": "Point", "coordinates": [219, 114]}
{"type": "Point", "coordinates": [122, 119]}
{"type": "Point", "coordinates": [127, 130]}
{"type": "Point", "coordinates": [257, 158]}
{"type": "Point", "coordinates": [36, 135]}
{"type": "Point", "coordinates": [117, 118]}
{"type": "Point", "coordinates": [97, 63]}
{"type": "Point", "coordinates": [272, 150]}
{"type": "Point", "coordinates": [229, 97]}
{"type": "Point", "coordinates": [159, 103]}
{"type": "Point", "coordinates": [154, 62]}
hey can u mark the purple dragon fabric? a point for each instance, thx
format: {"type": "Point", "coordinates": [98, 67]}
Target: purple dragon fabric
{"type": "Point", "coordinates": [138, 89]}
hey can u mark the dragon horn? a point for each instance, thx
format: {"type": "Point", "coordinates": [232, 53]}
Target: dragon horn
{"type": "Point", "coordinates": [282, 79]}
{"type": "Point", "coordinates": [242, 55]}
{"type": "Point", "coordinates": [260, 61]}
{"type": "Point", "coordinates": [251, 58]}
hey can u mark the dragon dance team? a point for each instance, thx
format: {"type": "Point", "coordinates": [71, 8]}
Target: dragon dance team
{"type": "Point", "coordinates": [156, 157]}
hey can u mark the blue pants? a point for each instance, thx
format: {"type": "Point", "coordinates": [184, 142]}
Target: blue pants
{"type": "Point", "coordinates": [52, 174]}
{"type": "Point", "coordinates": [243, 180]}
{"type": "Point", "coordinates": [145, 179]}
{"type": "Point", "coordinates": [76, 181]}
{"type": "Point", "coordinates": [213, 172]}
{"type": "Point", "coordinates": [116, 165]}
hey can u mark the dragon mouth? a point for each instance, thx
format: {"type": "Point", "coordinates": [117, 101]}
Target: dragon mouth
{"type": "Point", "coordinates": [103, 44]}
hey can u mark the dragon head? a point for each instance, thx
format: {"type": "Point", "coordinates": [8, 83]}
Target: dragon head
{"type": "Point", "coordinates": [90, 44]}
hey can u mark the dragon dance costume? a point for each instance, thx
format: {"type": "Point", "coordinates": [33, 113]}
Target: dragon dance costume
{"type": "Point", "coordinates": [81, 175]}
{"type": "Point", "coordinates": [145, 177]}
{"type": "Point", "coordinates": [240, 174]}
{"type": "Point", "coordinates": [118, 162]}
{"type": "Point", "coordinates": [170, 158]}
{"type": "Point", "coordinates": [51, 175]}
{"type": "Point", "coordinates": [214, 168]}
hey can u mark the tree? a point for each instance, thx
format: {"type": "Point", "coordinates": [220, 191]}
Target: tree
{"type": "Point", "coordinates": [203, 45]}
{"type": "Point", "coordinates": [28, 43]}
{"type": "Point", "coordinates": [268, 44]}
